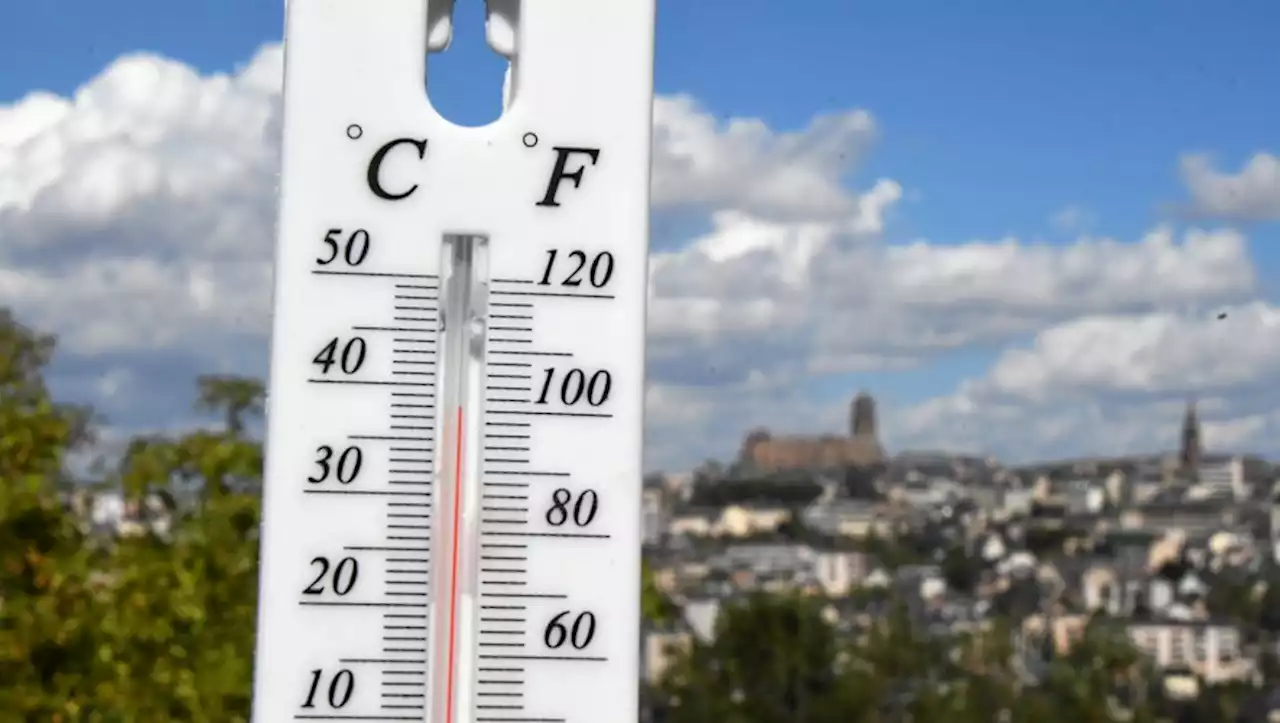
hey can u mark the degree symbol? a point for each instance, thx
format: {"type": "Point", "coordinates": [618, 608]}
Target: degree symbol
{"type": "Point", "coordinates": [530, 140]}
{"type": "Point", "coordinates": [354, 131]}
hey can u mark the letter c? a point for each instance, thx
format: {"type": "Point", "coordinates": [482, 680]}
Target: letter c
{"type": "Point", "coordinates": [373, 177]}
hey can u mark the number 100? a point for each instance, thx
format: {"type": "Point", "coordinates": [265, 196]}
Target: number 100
{"type": "Point", "coordinates": [577, 386]}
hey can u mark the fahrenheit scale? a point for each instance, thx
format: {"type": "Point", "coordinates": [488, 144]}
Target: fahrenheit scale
{"type": "Point", "coordinates": [451, 515]}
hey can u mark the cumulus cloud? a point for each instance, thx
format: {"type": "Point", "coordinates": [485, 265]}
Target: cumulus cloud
{"type": "Point", "coordinates": [1112, 383]}
{"type": "Point", "coordinates": [137, 215]}
{"type": "Point", "coordinates": [1251, 194]}
{"type": "Point", "coordinates": [743, 163]}
{"type": "Point", "coordinates": [754, 295]}
{"type": "Point", "coordinates": [1152, 354]}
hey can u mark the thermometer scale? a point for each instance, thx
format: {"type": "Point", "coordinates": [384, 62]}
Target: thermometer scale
{"type": "Point", "coordinates": [451, 524]}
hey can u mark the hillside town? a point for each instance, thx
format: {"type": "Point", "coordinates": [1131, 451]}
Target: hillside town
{"type": "Point", "coordinates": [1178, 550]}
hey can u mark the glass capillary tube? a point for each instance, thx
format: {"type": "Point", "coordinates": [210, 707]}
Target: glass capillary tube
{"type": "Point", "coordinates": [454, 605]}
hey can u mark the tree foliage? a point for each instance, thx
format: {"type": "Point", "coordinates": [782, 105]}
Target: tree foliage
{"type": "Point", "coordinates": [655, 606]}
{"type": "Point", "coordinates": [776, 659]}
{"type": "Point", "coordinates": [153, 625]}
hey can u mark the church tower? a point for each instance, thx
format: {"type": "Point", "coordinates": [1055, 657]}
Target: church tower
{"type": "Point", "coordinates": [862, 417]}
{"type": "Point", "coordinates": [1191, 451]}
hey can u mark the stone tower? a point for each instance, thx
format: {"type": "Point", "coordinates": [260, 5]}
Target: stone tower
{"type": "Point", "coordinates": [862, 417]}
{"type": "Point", "coordinates": [1191, 450]}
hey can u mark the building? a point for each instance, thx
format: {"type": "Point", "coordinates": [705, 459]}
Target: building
{"type": "Point", "coordinates": [764, 452]}
{"type": "Point", "coordinates": [1211, 650]}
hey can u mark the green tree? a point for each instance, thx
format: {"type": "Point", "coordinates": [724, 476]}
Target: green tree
{"type": "Point", "coordinates": [37, 431]}
{"type": "Point", "coordinates": [960, 569]}
{"type": "Point", "coordinates": [1084, 684]}
{"type": "Point", "coordinates": [655, 606]}
{"type": "Point", "coordinates": [47, 649]}
{"type": "Point", "coordinates": [238, 399]}
{"type": "Point", "coordinates": [773, 659]}
{"type": "Point", "coordinates": [184, 599]}
{"type": "Point", "coordinates": [153, 626]}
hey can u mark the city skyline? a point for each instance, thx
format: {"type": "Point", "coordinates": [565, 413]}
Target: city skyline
{"type": "Point", "coordinates": [766, 450]}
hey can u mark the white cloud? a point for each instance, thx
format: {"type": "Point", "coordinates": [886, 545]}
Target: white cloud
{"type": "Point", "coordinates": [811, 298]}
{"type": "Point", "coordinates": [136, 222]}
{"type": "Point", "coordinates": [1116, 383]}
{"type": "Point", "coordinates": [1151, 354]}
{"type": "Point", "coordinates": [138, 214]}
{"type": "Point", "coordinates": [1252, 194]}
{"type": "Point", "coordinates": [745, 164]}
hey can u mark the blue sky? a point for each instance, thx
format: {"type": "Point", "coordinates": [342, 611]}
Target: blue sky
{"type": "Point", "coordinates": [992, 115]}
{"type": "Point", "coordinates": [989, 105]}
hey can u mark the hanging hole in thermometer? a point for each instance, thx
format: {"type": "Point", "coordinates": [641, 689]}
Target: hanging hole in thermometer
{"type": "Point", "coordinates": [451, 515]}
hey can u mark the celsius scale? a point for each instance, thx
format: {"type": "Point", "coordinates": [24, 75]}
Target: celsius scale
{"type": "Point", "coordinates": [451, 527]}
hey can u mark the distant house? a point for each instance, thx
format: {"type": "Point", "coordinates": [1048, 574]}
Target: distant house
{"type": "Point", "coordinates": [1213, 650]}
{"type": "Point", "coordinates": [108, 512]}
{"type": "Point", "coordinates": [731, 521]}
{"type": "Point", "coordinates": [846, 518]}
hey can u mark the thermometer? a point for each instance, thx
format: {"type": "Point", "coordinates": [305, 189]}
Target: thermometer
{"type": "Point", "coordinates": [451, 523]}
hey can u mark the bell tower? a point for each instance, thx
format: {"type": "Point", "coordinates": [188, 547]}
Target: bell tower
{"type": "Point", "coordinates": [862, 417]}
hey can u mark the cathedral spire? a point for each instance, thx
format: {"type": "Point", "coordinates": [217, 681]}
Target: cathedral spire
{"type": "Point", "coordinates": [1191, 450]}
